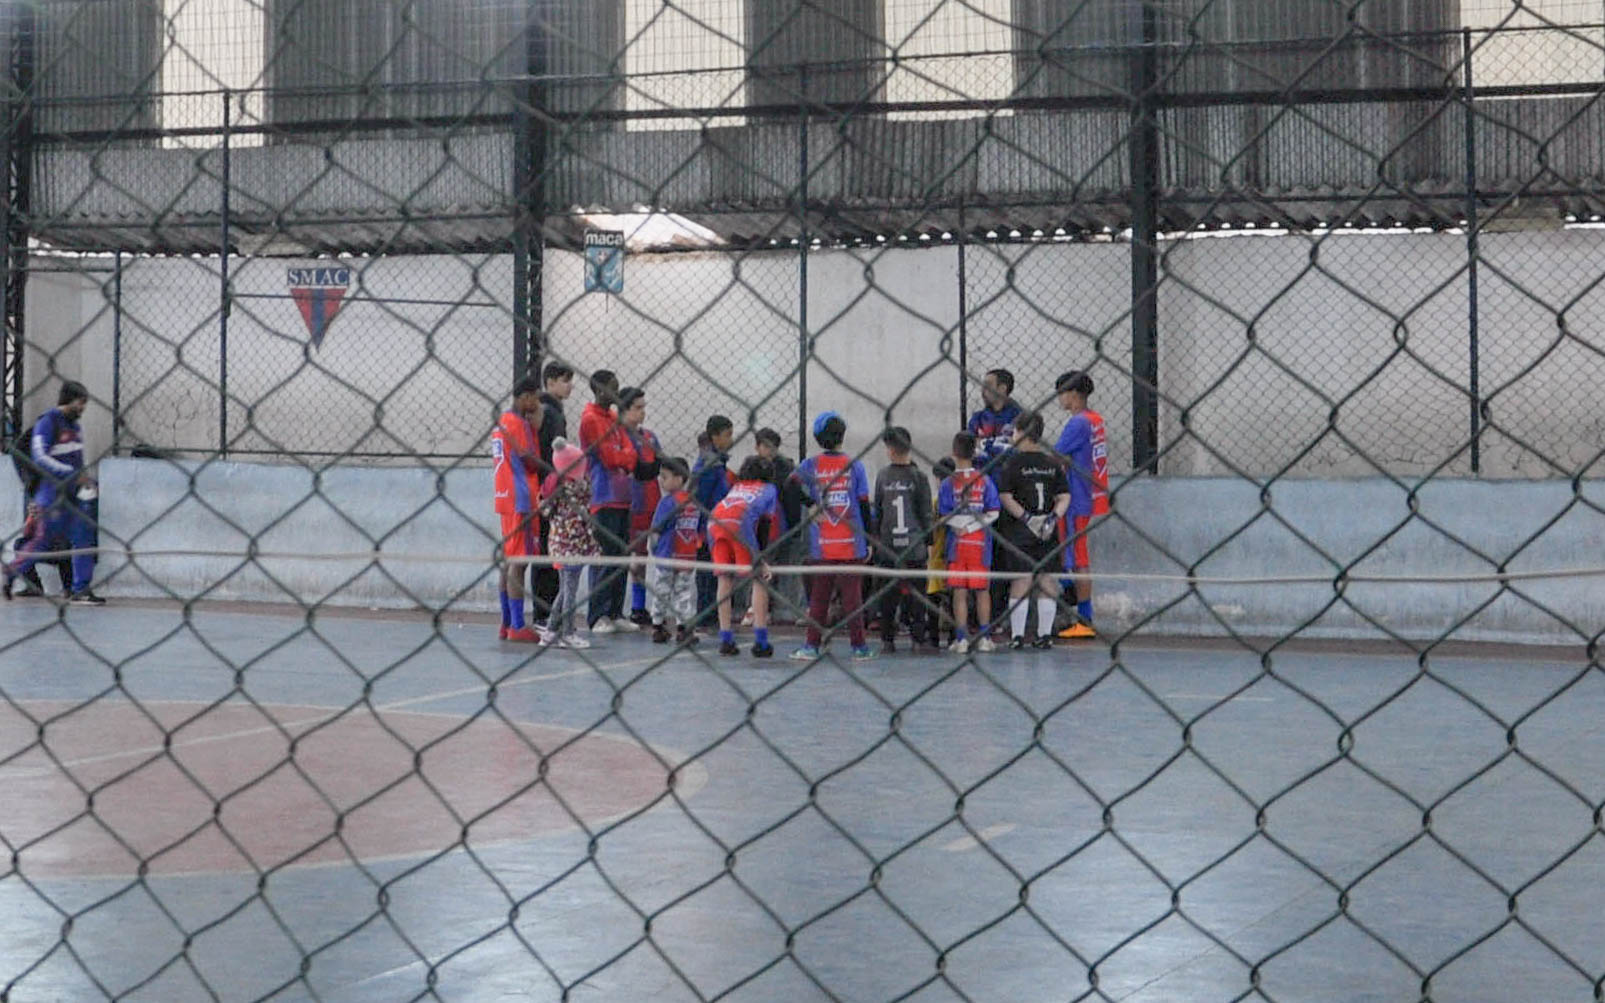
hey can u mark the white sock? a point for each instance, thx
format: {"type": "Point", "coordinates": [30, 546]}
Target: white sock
{"type": "Point", "coordinates": [1017, 617]}
{"type": "Point", "coordinates": [1046, 609]}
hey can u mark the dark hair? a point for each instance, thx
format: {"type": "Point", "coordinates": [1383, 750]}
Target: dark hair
{"type": "Point", "coordinates": [704, 440]}
{"type": "Point", "coordinates": [676, 466]}
{"type": "Point", "coordinates": [628, 396]}
{"type": "Point", "coordinates": [770, 436]}
{"type": "Point", "coordinates": [605, 385]}
{"type": "Point", "coordinates": [556, 371]}
{"type": "Point", "coordinates": [1030, 425]}
{"type": "Point", "coordinates": [1004, 378]}
{"type": "Point", "coordinates": [943, 468]}
{"type": "Point", "coordinates": [1074, 380]}
{"type": "Point", "coordinates": [898, 439]}
{"type": "Point", "coordinates": [71, 391]}
{"type": "Point", "coordinates": [527, 385]}
{"type": "Point", "coordinates": [964, 446]}
{"type": "Point", "coordinates": [832, 434]}
{"type": "Point", "coordinates": [719, 423]}
{"type": "Point", "coordinates": [756, 468]}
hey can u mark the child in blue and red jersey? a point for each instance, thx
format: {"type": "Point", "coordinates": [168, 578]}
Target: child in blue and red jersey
{"type": "Point", "coordinates": [612, 456]}
{"type": "Point", "coordinates": [969, 504]}
{"type": "Point", "coordinates": [838, 534]}
{"type": "Point", "coordinates": [644, 495]}
{"type": "Point", "coordinates": [1084, 447]}
{"type": "Point", "coordinates": [676, 533]}
{"type": "Point", "coordinates": [515, 453]}
{"type": "Point", "coordinates": [738, 528]}
{"type": "Point", "coordinates": [710, 479]}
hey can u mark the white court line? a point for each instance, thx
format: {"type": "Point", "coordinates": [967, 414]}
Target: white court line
{"type": "Point", "coordinates": [988, 834]}
{"type": "Point", "coordinates": [230, 736]}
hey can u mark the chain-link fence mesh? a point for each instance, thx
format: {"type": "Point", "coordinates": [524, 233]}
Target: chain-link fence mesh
{"type": "Point", "coordinates": [1320, 723]}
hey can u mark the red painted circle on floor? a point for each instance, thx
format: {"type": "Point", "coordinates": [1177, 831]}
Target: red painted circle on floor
{"type": "Point", "coordinates": [241, 788]}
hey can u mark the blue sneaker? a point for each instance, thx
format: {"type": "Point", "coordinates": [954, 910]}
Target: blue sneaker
{"type": "Point", "coordinates": [806, 653]}
{"type": "Point", "coordinates": [863, 654]}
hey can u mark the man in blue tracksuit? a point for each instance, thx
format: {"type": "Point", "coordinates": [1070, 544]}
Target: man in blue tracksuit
{"type": "Point", "coordinates": [57, 451]}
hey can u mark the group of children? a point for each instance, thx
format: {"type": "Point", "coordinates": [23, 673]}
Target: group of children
{"type": "Point", "coordinates": [1004, 502]}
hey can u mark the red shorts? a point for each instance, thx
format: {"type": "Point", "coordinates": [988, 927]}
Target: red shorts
{"type": "Point", "coordinates": [520, 534]}
{"type": "Point", "coordinates": [1077, 552]}
{"type": "Point", "coordinates": [967, 569]}
{"type": "Point", "coordinates": [726, 549]}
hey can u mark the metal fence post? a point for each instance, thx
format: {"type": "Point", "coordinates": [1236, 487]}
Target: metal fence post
{"type": "Point", "coordinates": [964, 325]}
{"type": "Point", "coordinates": [116, 353]}
{"type": "Point", "coordinates": [223, 294]}
{"type": "Point", "coordinates": [1472, 306]}
{"type": "Point", "coordinates": [805, 346]}
{"type": "Point", "coordinates": [1144, 150]}
{"type": "Point", "coordinates": [529, 208]}
{"type": "Point", "coordinates": [14, 215]}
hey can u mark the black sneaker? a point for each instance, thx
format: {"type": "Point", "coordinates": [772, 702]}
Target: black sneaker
{"type": "Point", "coordinates": [641, 618]}
{"type": "Point", "coordinates": [660, 634]}
{"type": "Point", "coordinates": [763, 651]}
{"type": "Point", "coordinates": [28, 590]}
{"type": "Point", "coordinates": [1043, 644]}
{"type": "Point", "coordinates": [685, 637]}
{"type": "Point", "coordinates": [729, 648]}
{"type": "Point", "coordinates": [1016, 644]}
{"type": "Point", "coordinates": [86, 598]}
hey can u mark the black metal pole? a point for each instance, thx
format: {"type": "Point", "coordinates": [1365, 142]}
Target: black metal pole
{"type": "Point", "coordinates": [223, 296]}
{"type": "Point", "coordinates": [14, 215]}
{"type": "Point", "coordinates": [804, 341]}
{"type": "Point", "coordinates": [1144, 150]}
{"type": "Point", "coordinates": [1472, 307]}
{"type": "Point", "coordinates": [964, 326]}
{"type": "Point", "coordinates": [116, 353]}
{"type": "Point", "coordinates": [529, 187]}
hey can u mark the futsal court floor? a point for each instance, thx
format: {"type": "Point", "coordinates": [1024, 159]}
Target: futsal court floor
{"type": "Point", "coordinates": [244, 804]}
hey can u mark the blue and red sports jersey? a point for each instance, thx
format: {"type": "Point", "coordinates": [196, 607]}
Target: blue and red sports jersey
{"type": "Point", "coordinates": [57, 447]}
{"type": "Point", "coordinates": [711, 478]}
{"type": "Point", "coordinates": [612, 454]}
{"type": "Point", "coordinates": [840, 488]}
{"type": "Point", "coordinates": [994, 435]}
{"type": "Point", "coordinates": [514, 452]}
{"type": "Point", "coordinates": [743, 507]}
{"type": "Point", "coordinates": [1085, 445]}
{"type": "Point", "coordinates": [968, 492]}
{"type": "Point", "coordinates": [677, 523]}
{"type": "Point", "coordinates": [644, 495]}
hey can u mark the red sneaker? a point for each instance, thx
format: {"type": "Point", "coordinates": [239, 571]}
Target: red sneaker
{"type": "Point", "coordinates": [524, 635]}
{"type": "Point", "coordinates": [501, 635]}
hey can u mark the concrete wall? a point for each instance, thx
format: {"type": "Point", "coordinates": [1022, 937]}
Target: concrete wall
{"type": "Point", "coordinates": [1213, 528]}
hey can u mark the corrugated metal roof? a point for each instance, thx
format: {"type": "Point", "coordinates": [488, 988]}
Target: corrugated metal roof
{"type": "Point", "coordinates": [1379, 163]}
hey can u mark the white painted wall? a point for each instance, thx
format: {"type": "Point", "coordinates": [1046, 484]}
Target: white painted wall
{"type": "Point", "coordinates": [1345, 355]}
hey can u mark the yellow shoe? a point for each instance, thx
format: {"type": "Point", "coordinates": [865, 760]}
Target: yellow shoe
{"type": "Point", "coordinates": [1078, 631]}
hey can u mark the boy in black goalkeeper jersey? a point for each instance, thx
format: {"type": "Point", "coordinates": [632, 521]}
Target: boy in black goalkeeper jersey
{"type": "Point", "coordinates": [902, 514]}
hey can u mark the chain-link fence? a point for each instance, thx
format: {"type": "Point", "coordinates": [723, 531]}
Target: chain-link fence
{"type": "Point", "coordinates": [1306, 714]}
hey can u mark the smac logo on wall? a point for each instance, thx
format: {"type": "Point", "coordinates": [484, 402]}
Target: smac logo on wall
{"type": "Point", "coordinates": [319, 292]}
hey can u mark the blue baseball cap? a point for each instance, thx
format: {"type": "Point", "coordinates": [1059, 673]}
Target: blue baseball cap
{"type": "Point", "coordinates": [823, 419]}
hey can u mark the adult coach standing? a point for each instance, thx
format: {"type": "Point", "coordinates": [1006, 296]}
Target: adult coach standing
{"type": "Point", "coordinates": [57, 450]}
{"type": "Point", "coordinates": [557, 382]}
{"type": "Point", "coordinates": [1084, 447]}
{"type": "Point", "coordinates": [993, 425]}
